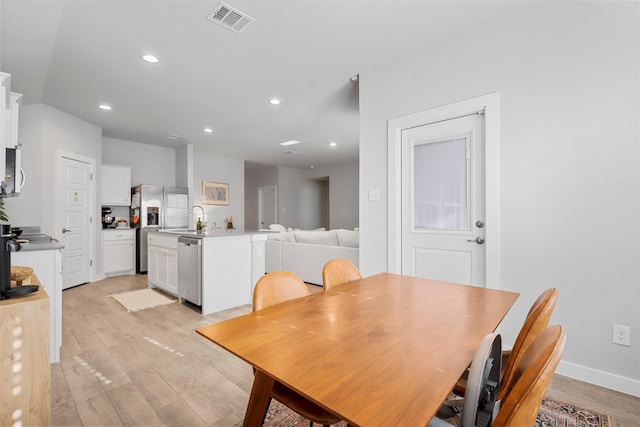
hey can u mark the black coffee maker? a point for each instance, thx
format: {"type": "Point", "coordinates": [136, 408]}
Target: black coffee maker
{"type": "Point", "coordinates": [8, 244]}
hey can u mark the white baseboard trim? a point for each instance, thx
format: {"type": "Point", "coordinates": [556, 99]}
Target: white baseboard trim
{"type": "Point", "coordinates": [599, 378]}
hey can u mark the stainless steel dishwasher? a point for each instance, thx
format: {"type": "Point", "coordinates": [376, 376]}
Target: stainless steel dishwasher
{"type": "Point", "coordinates": [190, 269]}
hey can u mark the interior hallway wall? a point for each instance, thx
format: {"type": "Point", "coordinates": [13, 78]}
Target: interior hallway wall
{"type": "Point", "coordinates": [255, 178]}
{"type": "Point", "coordinates": [343, 193]}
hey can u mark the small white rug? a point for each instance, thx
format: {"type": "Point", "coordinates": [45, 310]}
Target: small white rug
{"type": "Point", "coordinates": [141, 299]}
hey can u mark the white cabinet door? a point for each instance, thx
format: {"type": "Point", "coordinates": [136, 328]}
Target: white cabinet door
{"type": "Point", "coordinates": [153, 254]}
{"type": "Point", "coordinates": [5, 90]}
{"type": "Point", "coordinates": [162, 268]}
{"type": "Point", "coordinates": [13, 117]}
{"type": "Point", "coordinates": [162, 271]}
{"type": "Point", "coordinates": [116, 185]}
{"type": "Point", "coordinates": [172, 271]}
{"type": "Point", "coordinates": [47, 265]}
{"type": "Point", "coordinates": [118, 256]}
{"type": "Point", "coordinates": [118, 251]}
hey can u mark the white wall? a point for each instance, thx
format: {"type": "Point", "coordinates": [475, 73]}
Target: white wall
{"type": "Point", "coordinates": [226, 170]}
{"type": "Point", "coordinates": [294, 192]}
{"type": "Point", "coordinates": [26, 209]}
{"type": "Point", "coordinates": [289, 196]}
{"type": "Point", "coordinates": [43, 131]}
{"type": "Point", "coordinates": [568, 77]}
{"type": "Point", "coordinates": [311, 204]}
{"type": "Point", "coordinates": [255, 178]}
{"type": "Point", "coordinates": [343, 193]}
{"type": "Point", "coordinates": [150, 164]}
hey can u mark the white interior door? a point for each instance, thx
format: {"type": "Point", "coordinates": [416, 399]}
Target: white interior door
{"type": "Point", "coordinates": [267, 206]}
{"type": "Point", "coordinates": [443, 201]}
{"type": "Point", "coordinates": [74, 219]}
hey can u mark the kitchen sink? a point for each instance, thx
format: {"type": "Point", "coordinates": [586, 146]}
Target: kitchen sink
{"type": "Point", "coordinates": [183, 231]}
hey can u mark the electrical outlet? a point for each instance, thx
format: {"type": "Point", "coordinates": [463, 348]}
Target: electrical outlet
{"type": "Point", "coordinates": [622, 335]}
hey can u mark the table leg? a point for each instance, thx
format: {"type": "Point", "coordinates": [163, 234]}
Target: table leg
{"type": "Point", "coordinates": [258, 400]}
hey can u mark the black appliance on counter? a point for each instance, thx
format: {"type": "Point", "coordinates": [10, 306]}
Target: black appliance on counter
{"type": "Point", "coordinates": [9, 244]}
{"type": "Point", "coordinates": [108, 221]}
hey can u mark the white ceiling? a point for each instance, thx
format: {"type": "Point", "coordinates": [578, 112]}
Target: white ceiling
{"type": "Point", "coordinates": [73, 55]}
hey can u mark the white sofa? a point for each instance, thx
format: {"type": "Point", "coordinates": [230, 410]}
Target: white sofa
{"type": "Point", "coordinates": [306, 252]}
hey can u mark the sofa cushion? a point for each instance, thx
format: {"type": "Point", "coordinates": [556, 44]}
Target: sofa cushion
{"type": "Point", "coordinates": [329, 238]}
{"type": "Point", "coordinates": [287, 236]}
{"type": "Point", "coordinates": [277, 227]}
{"type": "Point", "coordinates": [348, 238]}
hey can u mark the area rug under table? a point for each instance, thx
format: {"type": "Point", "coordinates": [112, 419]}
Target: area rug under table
{"type": "Point", "coordinates": [552, 413]}
{"type": "Point", "coordinates": [142, 299]}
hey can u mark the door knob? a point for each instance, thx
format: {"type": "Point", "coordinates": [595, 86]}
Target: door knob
{"type": "Point", "coordinates": [479, 223]}
{"type": "Point", "coordinates": [66, 230]}
{"type": "Point", "coordinates": [479, 240]}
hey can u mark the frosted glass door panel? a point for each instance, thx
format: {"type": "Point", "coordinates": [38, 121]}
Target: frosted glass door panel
{"type": "Point", "coordinates": [440, 185]}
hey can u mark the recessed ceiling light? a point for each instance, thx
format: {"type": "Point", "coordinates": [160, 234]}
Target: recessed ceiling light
{"type": "Point", "coordinates": [104, 107]}
{"type": "Point", "coordinates": [150, 59]}
{"type": "Point", "coordinates": [311, 167]}
{"type": "Point", "coordinates": [274, 101]}
{"type": "Point", "coordinates": [292, 142]}
{"type": "Point", "coordinates": [333, 144]}
{"type": "Point", "coordinates": [208, 130]}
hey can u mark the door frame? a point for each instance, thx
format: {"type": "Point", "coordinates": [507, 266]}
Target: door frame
{"type": "Point", "coordinates": [57, 200]}
{"type": "Point", "coordinates": [490, 106]}
{"type": "Point", "coordinates": [260, 203]}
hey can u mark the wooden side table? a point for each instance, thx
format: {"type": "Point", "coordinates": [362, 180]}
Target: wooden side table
{"type": "Point", "coordinates": [25, 389]}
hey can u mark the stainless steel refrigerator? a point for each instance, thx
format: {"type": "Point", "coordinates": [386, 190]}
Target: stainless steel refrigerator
{"type": "Point", "coordinates": [154, 207]}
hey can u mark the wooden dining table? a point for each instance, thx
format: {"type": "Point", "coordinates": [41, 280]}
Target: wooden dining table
{"type": "Point", "coordinates": [381, 351]}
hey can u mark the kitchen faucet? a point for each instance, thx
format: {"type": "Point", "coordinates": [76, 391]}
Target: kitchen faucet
{"type": "Point", "coordinates": [203, 222]}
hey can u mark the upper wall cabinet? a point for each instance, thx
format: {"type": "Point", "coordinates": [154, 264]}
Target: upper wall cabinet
{"type": "Point", "coordinates": [116, 185]}
{"type": "Point", "coordinates": [9, 113]}
{"type": "Point", "coordinates": [9, 110]}
{"type": "Point", "coordinates": [14, 112]}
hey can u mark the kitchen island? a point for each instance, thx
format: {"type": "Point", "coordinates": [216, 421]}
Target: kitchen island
{"type": "Point", "coordinates": [229, 264]}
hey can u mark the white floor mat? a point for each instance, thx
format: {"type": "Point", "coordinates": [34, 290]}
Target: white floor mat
{"type": "Point", "coordinates": [141, 299]}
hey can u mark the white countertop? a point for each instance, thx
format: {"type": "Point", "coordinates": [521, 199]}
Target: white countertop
{"type": "Point", "coordinates": [40, 246]}
{"type": "Point", "coordinates": [218, 232]}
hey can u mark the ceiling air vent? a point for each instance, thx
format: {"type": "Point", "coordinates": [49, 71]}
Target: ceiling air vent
{"type": "Point", "coordinates": [230, 17]}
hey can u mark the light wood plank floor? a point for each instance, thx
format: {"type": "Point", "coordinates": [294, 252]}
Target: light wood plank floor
{"type": "Point", "coordinates": [150, 368]}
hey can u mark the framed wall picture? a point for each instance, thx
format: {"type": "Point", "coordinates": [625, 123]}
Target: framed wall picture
{"type": "Point", "coordinates": [215, 193]}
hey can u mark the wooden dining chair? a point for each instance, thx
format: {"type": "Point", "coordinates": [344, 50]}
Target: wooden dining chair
{"type": "Point", "coordinates": [278, 287]}
{"type": "Point", "coordinates": [536, 321]}
{"type": "Point", "coordinates": [339, 271]}
{"type": "Point", "coordinates": [531, 377]}
{"type": "Point", "coordinates": [275, 288]}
